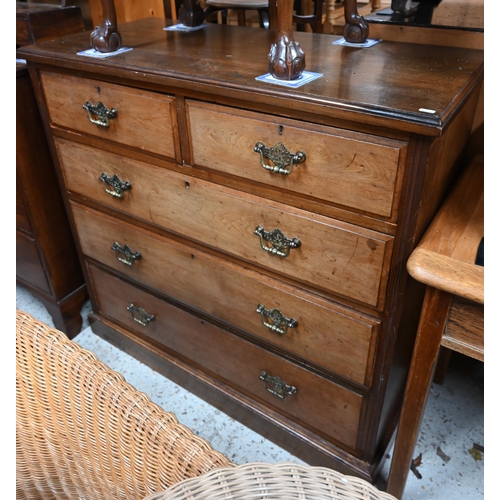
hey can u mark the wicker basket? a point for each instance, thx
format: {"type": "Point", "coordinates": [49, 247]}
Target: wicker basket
{"type": "Point", "coordinates": [286, 481]}
{"type": "Point", "coordinates": [82, 431]}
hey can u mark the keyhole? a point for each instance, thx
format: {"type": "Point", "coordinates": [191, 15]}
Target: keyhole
{"type": "Point", "coordinates": [281, 129]}
{"type": "Point", "coordinates": [98, 90]}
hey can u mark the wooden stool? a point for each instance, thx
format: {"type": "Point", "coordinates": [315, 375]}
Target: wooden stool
{"type": "Point", "coordinates": [453, 309]}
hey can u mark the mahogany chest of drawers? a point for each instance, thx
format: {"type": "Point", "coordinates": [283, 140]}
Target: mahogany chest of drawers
{"type": "Point", "coordinates": [250, 240]}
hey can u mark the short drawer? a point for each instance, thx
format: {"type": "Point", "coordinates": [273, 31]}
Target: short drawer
{"type": "Point", "coordinates": [355, 170]}
{"type": "Point", "coordinates": [144, 120]}
{"type": "Point", "coordinates": [332, 337]}
{"type": "Point", "coordinates": [317, 403]}
{"type": "Point", "coordinates": [341, 258]}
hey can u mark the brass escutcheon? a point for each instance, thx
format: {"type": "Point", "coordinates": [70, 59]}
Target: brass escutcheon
{"type": "Point", "coordinates": [125, 254]}
{"type": "Point", "coordinates": [117, 185]}
{"type": "Point", "coordinates": [101, 111]}
{"type": "Point", "coordinates": [281, 245]}
{"type": "Point", "coordinates": [277, 387]}
{"type": "Point", "coordinates": [140, 315]}
{"type": "Point", "coordinates": [283, 159]}
{"type": "Point", "coordinates": [275, 320]}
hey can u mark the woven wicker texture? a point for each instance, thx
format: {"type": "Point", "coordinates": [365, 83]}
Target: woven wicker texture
{"type": "Point", "coordinates": [282, 481]}
{"type": "Point", "coordinates": [84, 432]}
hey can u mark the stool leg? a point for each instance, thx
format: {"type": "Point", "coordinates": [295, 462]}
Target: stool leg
{"type": "Point", "coordinates": [430, 332]}
{"type": "Point", "coordinates": [241, 17]}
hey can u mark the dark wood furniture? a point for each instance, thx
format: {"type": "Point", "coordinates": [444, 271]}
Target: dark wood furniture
{"type": "Point", "coordinates": [47, 262]}
{"type": "Point", "coordinates": [453, 310]}
{"type": "Point", "coordinates": [276, 289]}
{"type": "Point", "coordinates": [448, 22]}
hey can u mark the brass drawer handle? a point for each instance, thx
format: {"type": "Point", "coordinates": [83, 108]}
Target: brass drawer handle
{"type": "Point", "coordinates": [118, 187]}
{"type": "Point", "coordinates": [277, 387]}
{"type": "Point", "coordinates": [275, 320]}
{"type": "Point", "coordinates": [125, 254]}
{"type": "Point", "coordinates": [280, 244]}
{"type": "Point", "coordinates": [102, 112]}
{"type": "Point", "coordinates": [283, 159]}
{"type": "Point", "coordinates": [140, 315]}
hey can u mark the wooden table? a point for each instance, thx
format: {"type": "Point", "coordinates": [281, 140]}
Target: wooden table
{"type": "Point", "coordinates": [453, 309]}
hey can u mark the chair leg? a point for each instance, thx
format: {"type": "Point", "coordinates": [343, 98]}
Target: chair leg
{"type": "Point", "coordinates": [430, 332]}
{"type": "Point", "coordinates": [264, 18]}
{"type": "Point", "coordinates": [241, 17]}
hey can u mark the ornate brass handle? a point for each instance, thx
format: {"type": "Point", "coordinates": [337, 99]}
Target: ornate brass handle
{"type": "Point", "coordinates": [275, 320]}
{"type": "Point", "coordinates": [117, 185]}
{"type": "Point", "coordinates": [283, 159]}
{"type": "Point", "coordinates": [281, 245]}
{"type": "Point", "coordinates": [140, 315]}
{"type": "Point", "coordinates": [277, 387]}
{"type": "Point", "coordinates": [125, 254]}
{"type": "Point", "coordinates": [102, 112]}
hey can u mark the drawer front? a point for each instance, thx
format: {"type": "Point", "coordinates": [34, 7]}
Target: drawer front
{"type": "Point", "coordinates": [318, 403]}
{"type": "Point", "coordinates": [332, 255]}
{"type": "Point", "coordinates": [144, 120]}
{"type": "Point", "coordinates": [22, 219]}
{"type": "Point", "coordinates": [346, 168]}
{"type": "Point", "coordinates": [29, 266]}
{"type": "Point", "coordinates": [318, 331]}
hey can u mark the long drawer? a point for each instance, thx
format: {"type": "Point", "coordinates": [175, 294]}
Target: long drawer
{"type": "Point", "coordinates": [342, 258]}
{"type": "Point", "coordinates": [356, 170]}
{"type": "Point", "coordinates": [144, 120]}
{"type": "Point", "coordinates": [332, 337]}
{"type": "Point", "coordinates": [316, 402]}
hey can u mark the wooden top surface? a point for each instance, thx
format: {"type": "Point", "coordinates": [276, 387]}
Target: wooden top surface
{"type": "Point", "coordinates": [387, 84]}
{"type": "Point", "coordinates": [445, 256]}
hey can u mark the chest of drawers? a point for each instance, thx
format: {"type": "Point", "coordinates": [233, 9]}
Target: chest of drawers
{"type": "Point", "coordinates": [250, 241]}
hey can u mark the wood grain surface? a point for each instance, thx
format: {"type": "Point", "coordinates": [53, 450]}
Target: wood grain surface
{"type": "Point", "coordinates": [386, 84]}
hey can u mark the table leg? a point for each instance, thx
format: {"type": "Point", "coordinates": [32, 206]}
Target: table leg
{"type": "Point", "coordinates": [430, 331]}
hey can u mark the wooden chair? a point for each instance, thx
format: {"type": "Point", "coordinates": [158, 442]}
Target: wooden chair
{"type": "Point", "coordinates": [453, 309]}
{"type": "Point", "coordinates": [83, 432]}
{"type": "Point", "coordinates": [240, 7]}
{"type": "Point", "coordinates": [268, 12]}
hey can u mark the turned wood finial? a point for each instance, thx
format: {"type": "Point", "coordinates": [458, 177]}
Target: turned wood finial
{"type": "Point", "coordinates": [106, 38]}
{"type": "Point", "coordinates": [191, 13]}
{"type": "Point", "coordinates": [286, 59]}
{"type": "Point", "coordinates": [356, 28]}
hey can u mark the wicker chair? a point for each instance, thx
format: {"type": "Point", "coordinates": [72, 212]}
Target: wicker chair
{"type": "Point", "coordinates": [282, 481]}
{"type": "Point", "coordinates": [82, 431]}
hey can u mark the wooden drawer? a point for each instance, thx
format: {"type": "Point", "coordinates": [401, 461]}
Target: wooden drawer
{"type": "Point", "coordinates": [332, 337]}
{"type": "Point", "coordinates": [144, 120]}
{"type": "Point", "coordinates": [335, 256]}
{"type": "Point", "coordinates": [22, 219]}
{"type": "Point", "coordinates": [352, 169]}
{"type": "Point", "coordinates": [318, 403]}
{"type": "Point", "coordinates": [29, 266]}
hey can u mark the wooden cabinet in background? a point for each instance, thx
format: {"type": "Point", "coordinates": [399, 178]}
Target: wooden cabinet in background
{"type": "Point", "coordinates": [46, 257]}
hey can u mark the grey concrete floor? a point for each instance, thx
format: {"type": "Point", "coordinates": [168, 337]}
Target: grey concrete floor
{"type": "Point", "coordinates": [453, 421]}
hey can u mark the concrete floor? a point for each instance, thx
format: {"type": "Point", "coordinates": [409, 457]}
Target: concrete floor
{"type": "Point", "coordinates": [452, 424]}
